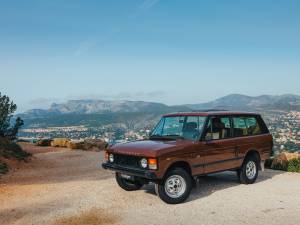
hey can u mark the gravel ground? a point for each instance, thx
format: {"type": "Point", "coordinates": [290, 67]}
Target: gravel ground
{"type": "Point", "coordinates": [69, 187]}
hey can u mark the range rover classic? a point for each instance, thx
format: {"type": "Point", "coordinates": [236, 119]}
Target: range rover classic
{"type": "Point", "coordinates": [184, 146]}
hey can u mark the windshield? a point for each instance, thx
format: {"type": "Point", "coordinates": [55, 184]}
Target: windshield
{"type": "Point", "coordinates": [185, 127]}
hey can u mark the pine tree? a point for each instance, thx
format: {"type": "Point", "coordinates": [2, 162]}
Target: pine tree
{"type": "Point", "coordinates": [7, 108]}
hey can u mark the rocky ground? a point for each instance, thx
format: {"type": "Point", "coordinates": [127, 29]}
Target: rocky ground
{"type": "Point", "coordinates": [60, 186]}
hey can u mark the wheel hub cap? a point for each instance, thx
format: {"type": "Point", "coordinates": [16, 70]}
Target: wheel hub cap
{"type": "Point", "coordinates": [251, 170]}
{"type": "Point", "coordinates": [175, 186]}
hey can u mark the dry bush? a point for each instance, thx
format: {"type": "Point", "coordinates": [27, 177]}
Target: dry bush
{"type": "Point", "coordinates": [281, 161]}
{"type": "Point", "coordinates": [3, 168]}
{"type": "Point", "coordinates": [75, 144]}
{"type": "Point", "coordinates": [11, 154]}
{"type": "Point", "coordinates": [94, 144]}
{"type": "Point", "coordinates": [60, 142]}
{"type": "Point", "coordinates": [44, 142]}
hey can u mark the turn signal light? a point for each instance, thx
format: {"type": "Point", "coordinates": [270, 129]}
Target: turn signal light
{"type": "Point", "coordinates": [152, 164]}
{"type": "Point", "coordinates": [106, 156]}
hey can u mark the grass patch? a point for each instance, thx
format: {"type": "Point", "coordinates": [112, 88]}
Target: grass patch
{"type": "Point", "coordinates": [294, 165]}
{"type": "Point", "coordinates": [3, 168]}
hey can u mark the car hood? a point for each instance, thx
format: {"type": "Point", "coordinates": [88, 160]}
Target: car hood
{"type": "Point", "coordinates": [149, 148]}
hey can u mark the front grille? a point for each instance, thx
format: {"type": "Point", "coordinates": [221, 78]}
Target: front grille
{"type": "Point", "coordinates": [127, 160]}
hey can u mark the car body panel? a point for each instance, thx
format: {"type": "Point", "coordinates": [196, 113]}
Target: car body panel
{"type": "Point", "coordinates": [201, 156]}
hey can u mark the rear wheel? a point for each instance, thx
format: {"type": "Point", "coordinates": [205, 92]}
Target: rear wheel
{"type": "Point", "coordinates": [175, 188]}
{"type": "Point", "coordinates": [249, 170]}
{"type": "Point", "coordinates": [128, 184]}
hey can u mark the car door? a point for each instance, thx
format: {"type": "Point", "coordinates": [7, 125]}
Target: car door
{"type": "Point", "coordinates": [220, 147]}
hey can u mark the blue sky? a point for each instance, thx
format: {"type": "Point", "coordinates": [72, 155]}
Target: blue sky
{"type": "Point", "coordinates": [170, 51]}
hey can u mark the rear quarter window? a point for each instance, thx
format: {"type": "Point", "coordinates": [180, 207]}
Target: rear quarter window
{"type": "Point", "coordinates": [253, 126]}
{"type": "Point", "coordinates": [248, 125]}
{"type": "Point", "coordinates": [239, 127]}
{"type": "Point", "coordinates": [263, 126]}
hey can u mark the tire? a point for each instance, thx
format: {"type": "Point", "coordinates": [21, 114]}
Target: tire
{"type": "Point", "coordinates": [249, 170]}
{"type": "Point", "coordinates": [128, 185]}
{"type": "Point", "coordinates": [167, 193]}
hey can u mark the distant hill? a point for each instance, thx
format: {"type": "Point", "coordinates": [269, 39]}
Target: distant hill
{"type": "Point", "coordinates": [99, 112]}
{"type": "Point", "coordinates": [101, 107]}
{"type": "Point", "coordinates": [248, 103]}
{"type": "Point", "coordinates": [130, 120]}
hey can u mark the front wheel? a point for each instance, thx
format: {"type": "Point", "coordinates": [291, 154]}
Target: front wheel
{"type": "Point", "coordinates": [128, 185]}
{"type": "Point", "coordinates": [249, 170]}
{"type": "Point", "coordinates": [175, 188]}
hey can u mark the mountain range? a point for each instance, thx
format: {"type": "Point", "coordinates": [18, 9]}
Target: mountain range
{"type": "Point", "coordinates": [102, 107]}
{"type": "Point", "coordinates": [248, 103]}
{"type": "Point", "coordinates": [77, 112]}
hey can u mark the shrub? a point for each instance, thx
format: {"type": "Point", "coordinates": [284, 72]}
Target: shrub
{"type": "Point", "coordinates": [278, 166]}
{"type": "Point", "coordinates": [44, 142]}
{"type": "Point", "coordinates": [7, 108]}
{"type": "Point", "coordinates": [12, 150]}
{"type": "Point", "coordinates": [294, 165]}
{"type": "Point", "coordinates": [3, 168]}
{"type": "Point", "coordinates": [60, 142]}
{"type": "Point", "coordinates": [268, 163]}
{"type": "Point", "coordinates": [75, 145]}
{"type": "Point", "coordinates": [95, 144]}
{"type": "Point", "coordinates": [281, 161]}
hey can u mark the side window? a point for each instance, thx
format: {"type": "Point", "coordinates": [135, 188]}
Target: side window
{"type": "Point", "coordinates": [253, 126]}
{"type": "Point", "coordinates": [191, 128]}
{"type": "Point", "coordinates": [239, 127]}
{"type": "Point", "coordinates": [218, 128]}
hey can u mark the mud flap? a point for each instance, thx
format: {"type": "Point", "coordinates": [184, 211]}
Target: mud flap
{"type": "Point", "coordinates": [262, 166]}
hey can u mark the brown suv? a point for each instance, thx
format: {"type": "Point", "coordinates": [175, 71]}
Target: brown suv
{"type": "Point", "coordinates": [186, 145]}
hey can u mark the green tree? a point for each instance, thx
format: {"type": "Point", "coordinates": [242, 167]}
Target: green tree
{"type": "Point", "coordinates": [7, 108]}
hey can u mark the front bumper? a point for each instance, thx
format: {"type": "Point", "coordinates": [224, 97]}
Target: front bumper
{"type": "Point", "coordinates": [150, 175]}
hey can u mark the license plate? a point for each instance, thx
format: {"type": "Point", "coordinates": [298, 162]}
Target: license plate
{"type": "Point", "coordinates": [127, 177]}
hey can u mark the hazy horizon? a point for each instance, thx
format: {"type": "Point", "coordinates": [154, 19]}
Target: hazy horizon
{"type": "Point", "coordinates": [173, 52]}
{"type": "Point", "coordinates": [45, 104]}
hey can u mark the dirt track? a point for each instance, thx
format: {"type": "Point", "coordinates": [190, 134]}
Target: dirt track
{"type": "Point", "coordinates": [60, 186]}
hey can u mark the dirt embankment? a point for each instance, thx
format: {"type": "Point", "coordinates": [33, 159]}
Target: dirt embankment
{"type": "Point", "coordinates": [12, 155]}
{"type": "Point", "coordinates": [68, 187]}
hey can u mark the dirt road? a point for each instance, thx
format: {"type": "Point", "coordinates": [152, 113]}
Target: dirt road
{"type": "Point", "coordinates": [69, 187]}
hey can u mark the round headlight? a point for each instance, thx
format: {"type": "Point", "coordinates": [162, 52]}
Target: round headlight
{"type": "Point", "coordinates": [144, 163]}
{"type": "Point", "coordinates": [111, 158]}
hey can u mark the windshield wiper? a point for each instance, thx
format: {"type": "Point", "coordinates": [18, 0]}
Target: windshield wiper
{"type": "Point", "coordinates": [155, 136]}
{"type": "Point", "coordinates": [168, 136]}
{"type": "Point", "coordinates": [176, 136]}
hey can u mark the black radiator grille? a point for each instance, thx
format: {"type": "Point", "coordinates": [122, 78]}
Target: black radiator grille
{"type": "Point", "coordinates": [127, 160]}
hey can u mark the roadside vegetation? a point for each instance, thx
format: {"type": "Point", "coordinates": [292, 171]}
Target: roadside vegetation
{"type": "Point", "coordinates": [9, 149]}
{"type": "Point", "coordinates": [3, 168]}
{"type": "Point", "coordinates": [285, 161]}
{"type": "Point", "coordinates": [87, 144]}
